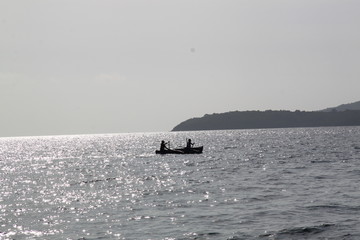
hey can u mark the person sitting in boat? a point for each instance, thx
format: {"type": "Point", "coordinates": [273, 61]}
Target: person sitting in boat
{"type": "Point", "coordinates": [189, 144]}
{"type": "Point", "coordinates": [163, 146]}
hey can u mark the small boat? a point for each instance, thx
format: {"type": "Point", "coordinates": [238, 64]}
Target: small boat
{"type": "Point", "coordinates": [193, 150]}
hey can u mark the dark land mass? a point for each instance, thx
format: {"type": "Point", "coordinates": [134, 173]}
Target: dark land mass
{"type": "Point", "coordinates": [272, 119]}
{"type": "Point", "coordinates": [344, 107]}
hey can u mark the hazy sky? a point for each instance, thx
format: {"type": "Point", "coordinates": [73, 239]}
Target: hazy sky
{"type": "Point", "coordinates": [109, 66]}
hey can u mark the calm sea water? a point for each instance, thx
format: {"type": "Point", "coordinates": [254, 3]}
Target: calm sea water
{"type": "Point", "coordinates": [248, 184]}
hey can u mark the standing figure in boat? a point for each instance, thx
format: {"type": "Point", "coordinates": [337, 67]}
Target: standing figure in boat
{"type": "Point", "coordinates": [189, 144]}
{"type": "Point", "coordinates": [163, 146]}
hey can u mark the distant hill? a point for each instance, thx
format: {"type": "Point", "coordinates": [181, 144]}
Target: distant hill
{"type": "Point", "coordinates": [273, 119]}
{"type": "Point", "coordinates": [344, 107]}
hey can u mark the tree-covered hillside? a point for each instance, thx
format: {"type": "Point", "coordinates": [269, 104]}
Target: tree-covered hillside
{"type": "Point", "coordinates": [270, 119]}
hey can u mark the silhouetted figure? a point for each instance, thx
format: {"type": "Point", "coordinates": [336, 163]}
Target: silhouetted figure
{"type": "Point", "coordinates": [189, 144]}
{"type": "Point", "coordinates": [163, 146]}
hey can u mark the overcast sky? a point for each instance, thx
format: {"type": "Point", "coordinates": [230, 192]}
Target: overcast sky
{"type": "Point", "coordinates": [111, 66]}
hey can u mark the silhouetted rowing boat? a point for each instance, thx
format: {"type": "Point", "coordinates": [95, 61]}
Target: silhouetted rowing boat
{"type": "Point", "coordinates": [193, 150]}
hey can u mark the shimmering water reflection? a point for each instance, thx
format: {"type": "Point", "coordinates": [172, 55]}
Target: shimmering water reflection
{"type": "Point", "coordinates": [248, 184]}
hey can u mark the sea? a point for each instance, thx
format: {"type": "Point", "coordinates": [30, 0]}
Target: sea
{"type": "Point", "coordinates": [268, 184]}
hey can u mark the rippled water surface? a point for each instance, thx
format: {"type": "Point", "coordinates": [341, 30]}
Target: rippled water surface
{"type": "Point", "coordinates": [248, 184]}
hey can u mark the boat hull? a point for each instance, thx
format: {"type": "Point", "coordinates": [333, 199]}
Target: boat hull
{"type": "Point", "coordinates": [196, 150]}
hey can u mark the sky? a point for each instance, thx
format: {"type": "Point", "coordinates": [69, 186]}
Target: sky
{"type": "Point", "coordinates": [122, 66]}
